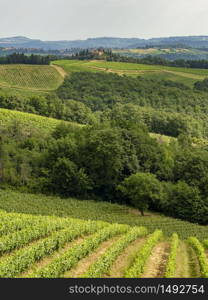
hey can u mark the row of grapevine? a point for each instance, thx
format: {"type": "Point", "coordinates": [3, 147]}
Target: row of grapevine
{"type": "Point", "coordinates": [136, 270]}
{"type": "Point", "coordinates": [201, 255]}
{"type": "Point", "coordinates": [14, 222]}
{"type": "Point", "coordinates": [20, 260]}
{"type": "Point", "coordinates": [71, 257]}
{"type": "Point", "coordinates": [20, 238]}
{"type": "Point", "coordinates": [30, 76]}
{"type": "Point", "coordinates": [88, 210]}
{"type": "Point", "coordinates": [171, 264]}
{"type": "Point", "coordinates": [103, 264]}
{"type": "Point", "coordinates": [44, 125]}
{"type": "Point", "coordinates": [205, 244]}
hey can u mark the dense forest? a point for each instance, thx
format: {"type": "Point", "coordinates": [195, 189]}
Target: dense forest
{"type": "Point", "coordinates": [113, 153]}
{"type": "Point", "coordinates": [165, 107]}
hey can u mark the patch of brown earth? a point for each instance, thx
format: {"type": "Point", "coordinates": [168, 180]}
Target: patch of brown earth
{"type": "Point", "coordinates": [156, 264]}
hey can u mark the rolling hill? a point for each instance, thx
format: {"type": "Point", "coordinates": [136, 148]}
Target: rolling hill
{"type": "Point", "coordinates": [165, 52]}
{"type": "Point", "coordinates": [108, 42]}
{"type": "Point", "coordinates": [184, 75]}
{"type": "Point", "coordinates": [51, 237]}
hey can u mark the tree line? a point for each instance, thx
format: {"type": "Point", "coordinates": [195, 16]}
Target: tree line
{"type": "Point", "coordinates": [21, 58]}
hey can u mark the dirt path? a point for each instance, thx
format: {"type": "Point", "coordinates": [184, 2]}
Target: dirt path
{"type": "Point", "coordinates": [187, 75]}
{"type": "Point", "coordinates": [61, 71]}
{"type": "Point", "coordinates": [182, 262]}
{"type": "Point", "coordinates": [124, 260]}
{"type": "Point", "coordinates": [155, 266]}
{"type": "Point", "coordinates": [187, 265]}
{"type": "Point", "coordinates": [141, 72]}
{"type": "Point", "coordinates": [119, 71]}
{"type": "Point", "coordinates": [85, 263]}
{"type": "Point", "coordinates": [48, 259]}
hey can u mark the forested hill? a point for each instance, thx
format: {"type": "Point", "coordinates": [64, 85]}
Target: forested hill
{"type": "Point", "coordinates": [107, 42]}
{"type": "Point", "coordinates": [113, 153]}
{"type": "Point", "coordinates": [165, 107]}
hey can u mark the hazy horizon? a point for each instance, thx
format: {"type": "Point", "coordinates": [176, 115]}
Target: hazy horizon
{"type": "Point", "coordinates": [78, 19]}
{"type": "Point", "coordinates": [97, 37]}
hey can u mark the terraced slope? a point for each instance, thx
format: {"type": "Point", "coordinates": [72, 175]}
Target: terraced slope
{"type": "Point", "coordinates": [52, 247]}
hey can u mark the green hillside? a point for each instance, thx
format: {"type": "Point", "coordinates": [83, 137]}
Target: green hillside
{"type": "Point", "coordinates": [184, 75]}
{"type": "Point", "coordinates": [26, 119]}
{"type": "Point", "coordinates": [12, 201]}
{"type": "Point", "coordinates": [29, 77]}
{"type": "Point", "coordinates": [113, 158]}
{"type": "Point", "coordinates": [30, 122]}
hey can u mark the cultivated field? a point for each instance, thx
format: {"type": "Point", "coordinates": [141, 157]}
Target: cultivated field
{"type": "Point", "coordinates": [52, 247]}
{"type": "Point", "coordinates": [30, 121]}
{"type": "Point", "coordinates": [30, 77]}
{"type": "Point", "coordinates": [11, 201]}
{"type": "Point", "coordinates": [185, 75]}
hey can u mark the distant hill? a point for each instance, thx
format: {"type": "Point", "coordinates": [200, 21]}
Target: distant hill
{"type": "Point", "coordinates": [108, 42]}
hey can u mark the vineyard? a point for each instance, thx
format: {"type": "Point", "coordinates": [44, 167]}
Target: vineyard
{"type": "Point", "coordinates": [12, 201]}
{"type": "Point", "coordinates": [30, 77]}
{"type": "Point", "coordinates": [52, 247]}
{"type": "Point", "coordinates": [31, 121]}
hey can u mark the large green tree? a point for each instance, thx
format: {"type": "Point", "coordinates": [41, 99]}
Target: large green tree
{"type": "Point", "coordinates": [141, 189]}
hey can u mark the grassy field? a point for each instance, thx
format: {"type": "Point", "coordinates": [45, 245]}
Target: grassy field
{"type": "Point", "coordinates": [37, 246]}
{"type": "Point", "coordinates": [185, 75]}
{"type": "Point", "coordinates": [31, 78]}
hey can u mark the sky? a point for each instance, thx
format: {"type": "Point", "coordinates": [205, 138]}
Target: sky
{"type": "Point", "coordinates": [81, 19]}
